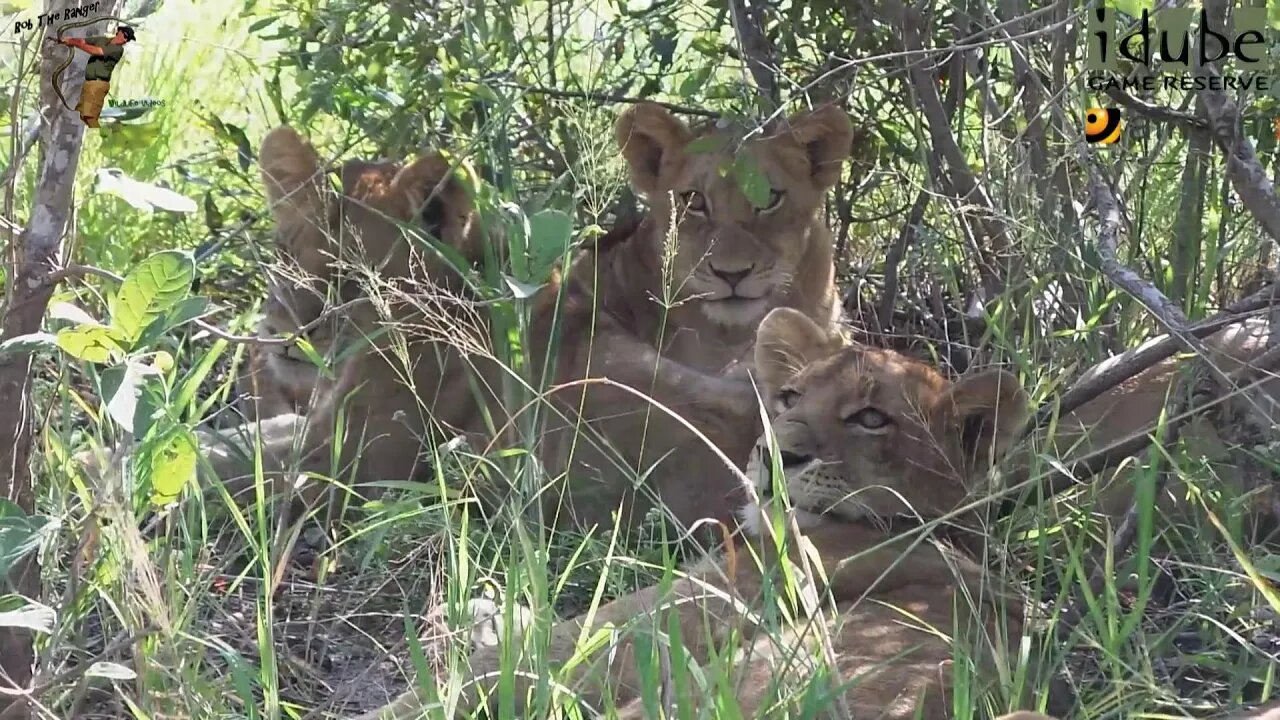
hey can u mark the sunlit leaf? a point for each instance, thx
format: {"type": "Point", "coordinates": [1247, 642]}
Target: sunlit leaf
{"type": "Point", "coordinates": [167, 463]}
{"type": "Point", "coordinates": [90, 343]}
{"type": "Point", "coordinates": [111, 671]}
{"type": "Point", "coordinates": [124, 403]}
{"type": "Point", "coordinates": [143, 196]}
{"type": "Point", "coordinates": [32, 616]}
{"type": "Point", "coordinates": [71, 313]}
{"type": "Point", "coordinates": [157, 285]}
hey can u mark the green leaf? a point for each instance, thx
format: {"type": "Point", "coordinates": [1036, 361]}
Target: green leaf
{"type": "Point", "coordinates": [707, 144]}
{"type": "Point", "coordinates": [20, 533]}
{"type": "Point", "coordinates": [259, 24]}
{"type": "Point", "coordinates": [157, 285]}
{"type": "Point", "coordinates": [550, 235]}
{"type": "Point", "coordinates": [31, 343]}
{"type": "Point", "coordinates": [167, 463]}
{"type": "Point", "coordinates": [752, 180]}
{"type": "Point", "coordinates": [184, 312]}
{"type": "Point", "coordinates": [90, 343]}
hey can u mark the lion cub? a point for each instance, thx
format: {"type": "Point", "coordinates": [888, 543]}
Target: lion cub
{"type": "Point", "coordinates": [860, 434]}
{"type": "Point", "coordinates": [362, 273]}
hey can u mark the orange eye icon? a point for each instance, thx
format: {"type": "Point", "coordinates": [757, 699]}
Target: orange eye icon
{"type": "Point", "coordinates": [1102, 125]}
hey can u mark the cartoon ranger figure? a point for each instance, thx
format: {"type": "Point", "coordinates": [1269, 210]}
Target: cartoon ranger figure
{"type": "Point", "coordinates": [104, 53]}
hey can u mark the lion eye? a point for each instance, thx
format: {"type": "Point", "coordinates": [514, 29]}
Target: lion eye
{"type": "Point", "coordinates": [775, 202]}
{"type": "Point", "coordinates": [694, 202]}
{"type": "Point", "coordinates": [788, 398]}
{"type": "Point", "coordinates": [869, 418]}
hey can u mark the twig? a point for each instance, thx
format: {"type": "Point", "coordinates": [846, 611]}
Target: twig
{"type": "Point", "coordinates": [1191, 403]}
{"type": "Point", "coordinates": [605, 97]}
{"type": "Point", "coordinates": [1109, 222]}
{"type": "Point", "coordinates": [1097, 381]}
{"type": "Point", "coordinates": [1186, 121]}
{"type": "Point", "coordinates": [910, 230]}
{"type": "Point", "coordinates": [757, 55]}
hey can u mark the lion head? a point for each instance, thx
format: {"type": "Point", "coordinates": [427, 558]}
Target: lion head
{"type": "Point", "coordinates": [863, 432]}
{"type": "Point", "coordinates": [732, 257]}
{"type": "Point", "coordinates": [375, 222]}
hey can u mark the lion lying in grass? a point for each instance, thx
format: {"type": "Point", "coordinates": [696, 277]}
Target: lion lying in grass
{"type": "Point", "coordinates": [861, 435]}
{"type": "Point", "coordinates": [668, 311]}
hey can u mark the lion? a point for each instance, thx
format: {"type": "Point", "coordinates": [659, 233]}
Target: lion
{"type": "Point", "coordinates": [670, 313]}
{"type": "Point", "coordinates": [1134, 408]}
{"type": "Point", "coordinates": [668, 310]}
{"type": "Point", "coordinates": [358, 270]}
{"type": "Point", "coordinates": [280, 378]}
{"type": "Point", "coordinates": [861, 435]}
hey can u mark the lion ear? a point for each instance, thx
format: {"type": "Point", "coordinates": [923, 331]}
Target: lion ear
{"type": "Point", "coordinates": [788, 341]}
{"type": "Point", "coordinates": [988, 411]}
{"type": "Point", "coordinates": [440, 199]}
{"type": "Point", "coordinates": [299, 197]}
{"type": "Point", "coordinates": [827, 137]}
{"type": "Point", "coordinates": [652, 141]}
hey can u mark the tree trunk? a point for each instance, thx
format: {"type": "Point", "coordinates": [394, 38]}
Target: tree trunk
{"type": "Point", "coordinates": [31, 259]}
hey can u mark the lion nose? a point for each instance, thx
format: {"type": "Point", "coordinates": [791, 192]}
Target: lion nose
{"type": "Point", "coordinates": [790, 459]}
{"type": "Point", "coordinates": [731, 277]}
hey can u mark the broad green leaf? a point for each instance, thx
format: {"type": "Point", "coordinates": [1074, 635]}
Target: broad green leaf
{"type": "Point", "coordinates": [156, 286]}
{"type": "Point", "coordinates": [167, 463]}
{"type": "Point", "coordinates": [184, 312]}
{"type": "Point", "coordinates": [550, 233]}
{"type": "Point", "coordinates": [752, 180]}
{"type": "Point", "coordinates": [90, 343]}
{"type": "Point", "coordinates": [34, 342]}
{"type": "Point", "coordinates": [20, 533]}
{"type": "Point", "coordinates": [31, 616]}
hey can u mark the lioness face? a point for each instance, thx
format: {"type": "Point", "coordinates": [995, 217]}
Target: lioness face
{"type": "Point", "coordinates": [866, 432]}
{"type": "Point", "coordinates": [732, 258]}
{"type": "Point", "coordinates": [369, 222]}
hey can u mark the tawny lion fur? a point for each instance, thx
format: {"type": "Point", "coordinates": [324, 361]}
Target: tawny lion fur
{"type": "Point", "coordinates": [669, 311]}
{"type": "Point", "coordinates": [860, 434]}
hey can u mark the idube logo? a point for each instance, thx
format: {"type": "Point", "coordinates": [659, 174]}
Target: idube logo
{"type": "Point", "coordinates": [1168, 36]}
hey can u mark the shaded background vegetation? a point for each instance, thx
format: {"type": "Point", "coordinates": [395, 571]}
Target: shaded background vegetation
{"type": "Point", "coordinates": [966, 228]}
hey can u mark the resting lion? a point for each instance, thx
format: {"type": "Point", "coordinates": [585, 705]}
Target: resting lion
{"type": "Point", "coordinates": [359, 263]}
{"type": "Point", "coordinates": [669, 310]}
{"type": "Point", "coordinates": [1134, 406]}
{"type": "Point", "coordinates": [861, 434]}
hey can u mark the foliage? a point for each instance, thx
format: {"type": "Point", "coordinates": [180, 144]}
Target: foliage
{"type": "Point", "coordinates": [527, 92]}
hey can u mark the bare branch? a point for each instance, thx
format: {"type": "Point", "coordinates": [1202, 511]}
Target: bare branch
{"type": "Point", "coordinates": [748, 18]}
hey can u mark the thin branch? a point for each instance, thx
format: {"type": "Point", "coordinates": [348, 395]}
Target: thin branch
{"type": "Point", "coordinates": [757, 53]}
{"type": "Point", "coordinates": [604, 97]}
